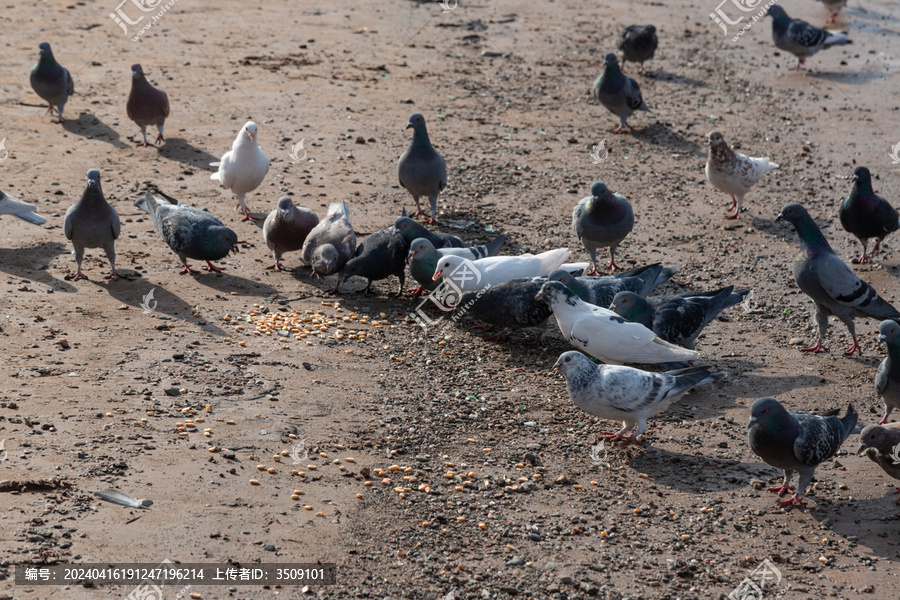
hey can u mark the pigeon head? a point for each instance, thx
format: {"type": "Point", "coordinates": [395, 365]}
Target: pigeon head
{"type": "Point", "coordinates": [571, 361]}
{"type": "Point", "coordinates": [93, 178]}
{"type": "Point", "coordinates": [861, 174]}
{"type": "Point", "coordinates": [777, 13]}
{"type": "Point", "coordinates": [889, 332]}
{"type": "Point", "coordinates": [872, 436]}
{"type": "Point", "coordinates": [325, 259]}
{"type": "Point", "coordinates": [137, 72]}
{"type": "Point", "coordinates": [765, 412]}
{"type": "Point", "coordinates": [793, 213]}
{"type": "Point", "coordinates": [714, 138]}
{"type": "Point", "coordinates": [448, 265]}
{"type": "Point", "coordinates": [554, 292]}
{"type": "Point", "coordinates": [632, 307]}
{"type": "Point", "coordinates": [285, 207]}
{"type": "Point", "coordinates": [611, 62]}
{"type": "Point", "coordinates": [250, 128]}
{"type": "Point", "coordinates": [416, 122]}
{"type": "Point", "coordinates": [562, 276]}
{"type": "Point", "coordinates": [599, 189]}
{"type": "Point", "coordinates": [420, 245]}
{"type": "Point", "coordinates": [218, 241]}
{"type": "Point", "coordinates": [650, 29]}
{"type": "Point", "coordinates": [44, 49]}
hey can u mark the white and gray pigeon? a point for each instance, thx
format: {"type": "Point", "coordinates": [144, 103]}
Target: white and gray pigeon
{"type": "Point", "coordinates": [605, 335]}
{"type": "Point", "coordinates": [286, 229]}
{"type": "Point", "coordinates": [421, 169]}
{"type": "Point", "coordinates": [602, 220]}
{"type": "Point", "coordinates": [795, 441]}
{"type": "Point", "coordinates": [20, 210]}
{"type": "Point", "coordinates": [831, 284]}
{"type": "Point", "coordinates": [887, 377]}
{"type": "Point", "coordinates": [733, 173]}
{"type": "Point", "coordinates": [51, 81]}
{"type": "Point", "coordinates": [881, 443]}
{"type": "Point", "coordinates": [93, 223]}
{"type": "Point", "coordinates": [799, 37]}
{"type": "Point", "coordinates": [188, 231]}
{"type": "Point", "coordinates": [423, 258]}
{"type": "Point", "coordinates": [473, 275]}
{"type": "Point", "coordinates": [243, 168]}
{"type": "Point", "coordinates": [618, 93]}
{"type": "Point", "coordinates": [833, 7]}
{"type": "Point", "coordinates": [624, 393]}
{"type": "Point", "coordinates": [600, 291]}
{"type": "Point", "coordinates": [331, 244]}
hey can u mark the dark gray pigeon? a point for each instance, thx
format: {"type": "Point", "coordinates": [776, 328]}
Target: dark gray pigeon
{"type": "Point", "coordinates": [20, 210]}
{"type": "Point", "coordinates": [509, 305]}
{"type": "Point", "coordinates": [379, 256]}
{"type": "Point", "coordinates": [679, 318]}
{"type": "Point", "coordinates": [331, 244]}
{"type": "Point", "coordinates": [638, 44]}
{"type": "Point", "coordinates": [146, 105]}
{"type": "Point", "coordinates": [795, 441]}
{"type": "Point", "coordinates": [93, 223]}
{"type": "Point", "coordinates": [867, 215]}
{"type": "Point", "coordinates": [881, 443]}
{"type": "Point", "coordinates": [189, 232]}
{"type": "Point", "coordinates": [887, 377]}
{"type": "Point", "coordinates": [620, 94]}
{"type": "Point", "coordinates": [831, 284]}
{"type": "Point", "coordinates": [799, 37]}
{"type": "Point", "coordinates": [411, 231]}
{"type": "Point", "coordinates": [600, 291]}
{"type": "Point", "coordinates": [421, 170]}
{"type": "Point", "coordinates": [51, 81]}
{"type": "Point", "coordinates": [602, 220]}
{"type": "Point", "coordinates": [286, 229]}
{"type": "Point", "coordinates": [423, 259]}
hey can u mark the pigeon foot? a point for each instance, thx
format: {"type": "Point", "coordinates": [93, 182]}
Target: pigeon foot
{"type": "Point", "coordinates": [114, 275]}
{"type": "Point", "coordinates": [854, 348]}
{"type": "Point", "coordinates": [783, 489]}
{"type": "Point", "coordinates": [213, 268]}
{"type": "Point", "coordinates": [819, 347]}
{"type": "Point", "coordinates": [187, 270]}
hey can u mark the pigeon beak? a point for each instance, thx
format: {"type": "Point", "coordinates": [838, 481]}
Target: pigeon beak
{"type": "Point", "coordinates": [286, 213]}
{"type": "Point", "coordinates": [251, 136]}
{"type": "Point", "coordinates": [411, 255]}
{"type": "Point", "coordinates": [780, 217]}
{"type": "Point", "coordinates": [91, 182]}
{"type": "Point", "coordinates": [860, 449]}
{"type": "Point", "coordinates": [882, 338]}
{"type": "Point", "coordinates": [752, 421]}
{"type": "Point", "coordinates": [409, 125]}
{"type": "Point", "coordinates": [134, 74]}
{"type": "Point", "coordinates": [539, 297]}
{"type": "Point", "coordinates": [235, 249]}
{"type": "Point", "coordinates": [555, 368]}
{"type": "Point", "coordinates": [437, 275]}
{"type": "Point", "coordinates": [854, 178]}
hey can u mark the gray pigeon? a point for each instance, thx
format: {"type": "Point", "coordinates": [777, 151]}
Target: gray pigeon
{"type": "Point", "coordinates": [602, 220]}
{"type": "Point", "coordinates": [795, 441]}
{"type": "Point", "coordinates": [509, 305]}
{"type": "Point", "coordinates": [20, 210]}
{"type": "Point", "coordinates": [189, 232]}
{"type": "Point", "coordinates": [286, 229]}
{"type": "Point", "coordinates": [379, 256]}
{"type": "Point", "coordinates": [625, 393]}
{"type": "Point", "coordinates": [423, 259]}
{"type": "Point", "coordinates": [799, 37]}
{"type": "Point", "coordinates": [146, 105]}
{"type": "Point", "coordinates": [421, 170]}
{"type": "Point", "coordinates": [678, 319]}
{"type": "Point", "coordinates": [887, 377]}
{"type": "Point", "coordinates": [881, 443]}
{"type": "Point", "coordinates": [866, 214]}
{"type": "Point", "coordinates": [331, 244]}
{"type": "Point", "coordinates": [51, 81]}
{"type": "Point", "coordinates": [600, 291]}
{"type": "Point", "coordinates": [93, 223]}
{"type": "Point", "coordinates": [831, 284]}
{"type": "Point", "coordinates": [638, 44]}
{"type": "Point", "coordinates": [621, 95]}
{"type": "Point", "coordinates": [411, 231]}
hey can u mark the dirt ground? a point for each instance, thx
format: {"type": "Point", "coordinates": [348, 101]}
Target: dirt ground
{"type": "Point", "coordinates": [499, 490]}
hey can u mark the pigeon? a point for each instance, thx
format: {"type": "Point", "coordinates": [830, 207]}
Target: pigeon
{"type": "Point", "coordinates": [242, 168]}
{"type": "Point", "coordinates": [867, 215]}
{"type": "Point", "coordinates": [677, 319]}
{"type": "Point", "coordinates": [831, 284]}
{"type": "Point", "coordinates": [20, 210]}
{"type": "Point", "coordinates": [795, 441]}
{"type": "Point", "coordinates": [379, 256]}
{"type": "Point", "coordinates": [833, 7]}
{"type": "Point", "coordinates": [881, 443]}
{"type": "Point", "coordinates": [638, 44]}
{"type": "Point", "coordinates": [600, 291]}
{"type": "Point", "coordinates": [602, 220]}
{"type": "Point", "coordinates": [423, 258]}
{"type": "Point", "coordinates": [51, 81]}
{"type": "Point", "coordinates": [509, 305]}
{"type": "Point", "coordinates": [605, 335]}
{"type": "Point", "coordinates": [421, 170]}
{"type": "Point", "coordinates": [93, 223]}
{"type": "Point", "coordinates": [619, 93]}
{"type": "Point", "coordinates": [331, 244]}
{"type": "Point", "coordinates": [146, 105]}
{"type": "Point", "coordinates": [733, 173]}
{"type": "Point", "coordinates": [189, 232]}
{"type": "Point", "coordinates": [799, 37]}
{"type": "Point", "coordinates": [412, 231]}
{"type": "Point", "coordinates": [625, 393]}
{"type": "Point", "coordinates": [286, 228]}
{"type": "Point", "coordinates": [468, 275]}
{"type": "Point", "coordinates": [887, 377]}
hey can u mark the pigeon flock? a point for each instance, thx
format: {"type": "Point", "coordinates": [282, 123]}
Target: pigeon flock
{"type": "Point", "coordinates": [611, 318]}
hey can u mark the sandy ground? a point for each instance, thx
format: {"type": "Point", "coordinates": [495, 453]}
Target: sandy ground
{"type": "Point", "coordinates": [683, 516]}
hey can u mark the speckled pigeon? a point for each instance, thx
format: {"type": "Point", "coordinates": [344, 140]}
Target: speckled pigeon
{"type": "Point", "coordinates": [602, 220]}
{"type": "Point", "coordinates": [423, 258]}
{"type": "Point", "coordinates": [638, 44]}
{"type": "Point", "coordinates": [881, 443]}
{"type": "Point", "coordinates": [411, 231]}
{"type": "Point", "coordinates": [421, 170]}
{"type": "Point", "coordinates": [93, 223]}
{"type": "Point", "coordinates": [799, 37]}
{"type": "Point", "coordinates": [243, 168]}
{"type": "Point", "coordinates": [51, 81]}
{"type": "Point", "coordinates": [618, 93]}
{"type": "Point", "coordinates": [887, 377]}
{"type": "Point", "coordinates": [733, 173]}
{"type": "Point", "coordinates": [286, 228]}
{"type": "Point", "coordinates": [146, 105]}
{"type": "Point", "coordinates": [600, 291]}
{"type": "Point", "coordinates": [867, 215]}
{"type": "Point", "coordinates": [331, 244]}
{"type": "Point", "coordinates": [379, 256]}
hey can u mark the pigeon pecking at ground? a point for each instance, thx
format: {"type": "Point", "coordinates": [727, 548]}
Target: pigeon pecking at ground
{"type": "Point", "coordinates": [379, 256]}
{"type": "Point", "coordinates": [468, 275]}
{"type": "Point", "coordinates": [733, 173]}
{"type": "Point", "coordinates": [881, 443]}
{"type": "Point", "coordinates": [146, 105]}
{"type": "Point", "coordinates": [618, 93]}
{"type": "Point", "coordinates": [867, 215]}
{"type": "Point", "coordinates": [600, 291]}
{"type": "Point", "coordinates": [509, 305]}
{"type": "Point", "coordinates": [795, 441]}
{"type": "Point", "coordinates": [188, 231]}
{"type": "Point", "coordinates": [331, 244]}
{"type": "Point", "coordinates": [887, 377]}
{"type": "Point", "coordinates": [638, 44]}
{"type": "Point", "coordinates": [51, 81]}
{"type": "Point", "coordinates": [20, 210]}
{"type": "Point", "coordinates": [93, 223]}
{"type": "Point", "coordinates": [421, 170]}
{"type": "Point", "coordinates": [286, 229]}
{"type": "Point", "coordinates": [412, 231]}
{"type": "Point", "coordinates": [833, 7]}
{"type": "Point", "coordinates": [625, 393]}
{"type": "Point", "coordinates": [602, 220]}
{"type": "Point", "coordinates": [799, 37]}
{"type": "Point", "coordinates": [243, 168]}
{"type": "Point", "coordinates": [831, 284]}
{"type": "Point", "coordinates": [423, 258]}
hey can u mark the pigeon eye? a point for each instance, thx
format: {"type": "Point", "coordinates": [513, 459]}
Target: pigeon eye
{"type": "Point", "coordinates": [568, 358]}
{"type": "Point", "coordinates": [764, 411]}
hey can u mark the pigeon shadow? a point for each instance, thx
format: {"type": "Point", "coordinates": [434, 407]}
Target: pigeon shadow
{"type": "Point", "coordinates": [90, 126]}
{"type": "Point", "coordinates": [228, 283]}
{"type": "Point", "coordinates": [872, 522]}
{"type": "Point", "coordinates": [155, 301]}
{"type": "Point", "coordinates": [864, 13]}
{"type": "Point", "coordinates": [660, 135]}
{"type": "Point", "coordinates": [751, 385]}
{"type": "Point", "coordinates": [854, 78]}
{"type": "Point", "coordinates": [687, 472]}
{"type": "Point", "coordinates": [179, 150]}
{"type": "Point", "coordinates": [31, 264]}
{"type": "Point", "coordinates": [661, 75]}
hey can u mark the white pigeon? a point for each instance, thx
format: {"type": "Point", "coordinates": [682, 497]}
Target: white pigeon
{"type": "Point", "coordinates": [733, 173]}
{"type": "Point", "coordinates": [474, 275]}
{"type": "Point", "coordinates": [242, 168]}
{"type": "Point", "coordinates": [625, 393]}
{"type": "Point", "coordinates": [20, 210]}
{"type": "Point", "coordinates": [605, 335]}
